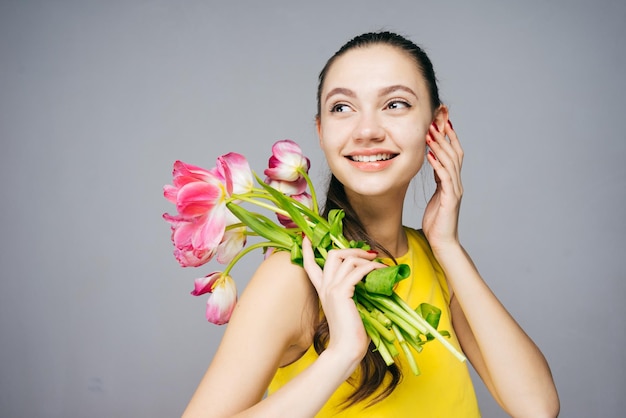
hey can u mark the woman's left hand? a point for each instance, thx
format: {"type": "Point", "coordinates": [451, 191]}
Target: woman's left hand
{"type": "Point", "coordinates": [440, 221]}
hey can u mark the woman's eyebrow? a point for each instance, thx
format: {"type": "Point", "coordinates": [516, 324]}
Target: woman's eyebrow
{"type": "Point", "coordinates": [383, 92]}
{"type": "Point", "coordinates": [340, 90]}
{"type": "Point", "coordinates": [387, 90]}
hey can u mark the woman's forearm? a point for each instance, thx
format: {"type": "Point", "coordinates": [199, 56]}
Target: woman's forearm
{"type": "Point", "coordinates": [516, 367]}
{"type": "Point", "coordinates": [307, 393]}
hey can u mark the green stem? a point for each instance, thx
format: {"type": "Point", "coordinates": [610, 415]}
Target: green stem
{"type": "Point", "coordinates": [376, 313]}
{"type": "Point", "coordinates": [407, 351]}
{"type": "Point", "coordinates": [378, 342]}
{"type": "Point", "coordinates": [309, 183]}
{"type": "Point", "coordinates": [432, 331]}
{"type": "Point", "coordinates": [263, 205]}
{"type": "Point", "coordinates": [262, 225]}
{"type": "Point", "coordinates": [393, 307]}
{"type": "Point", "coordinates": [390, 310]}
{"type": "Point", "coordinates": [260, 193]}
{"type": "Point", "coordinates": [249, 249]}
{"type": "Point", "coordinates": [417, 344]}
{"type": "Point", "coordinates": [340, 241]}
{"type": "Point", "coordinates": [384, 332]}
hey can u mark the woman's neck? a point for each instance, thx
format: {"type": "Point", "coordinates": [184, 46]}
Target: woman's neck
{"type": "Point", "coordinates": [382, 219]}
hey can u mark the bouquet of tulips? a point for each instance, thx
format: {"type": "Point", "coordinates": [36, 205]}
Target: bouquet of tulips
{"type": "Point", "coordinates": [213, 222]}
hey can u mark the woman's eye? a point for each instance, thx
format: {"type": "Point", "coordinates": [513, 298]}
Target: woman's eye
{"type": "Point", "coordinates": [340, 108]}
{"type": "Point", "coordinates": [398, 104]}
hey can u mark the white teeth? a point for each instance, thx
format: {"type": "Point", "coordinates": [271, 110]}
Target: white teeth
{"type": "Point", "coordinates": [370, 158]}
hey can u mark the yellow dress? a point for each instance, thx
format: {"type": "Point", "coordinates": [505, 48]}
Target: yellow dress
{"type": "Point", "coordinates": [443, 389]}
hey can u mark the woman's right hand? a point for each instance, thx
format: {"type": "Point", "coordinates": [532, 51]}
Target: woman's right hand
{"type": "Point", "coordinates": [335, 288]}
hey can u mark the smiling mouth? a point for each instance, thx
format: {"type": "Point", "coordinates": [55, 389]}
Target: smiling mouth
{"type": "Point", "coordinates": [371, 158]}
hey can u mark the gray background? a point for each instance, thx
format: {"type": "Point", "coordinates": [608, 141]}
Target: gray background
{"type": "Point", "coordinates": [97, 99]}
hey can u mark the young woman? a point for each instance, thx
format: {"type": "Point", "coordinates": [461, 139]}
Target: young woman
{"type": "Point", "coordinates": [297, 332]}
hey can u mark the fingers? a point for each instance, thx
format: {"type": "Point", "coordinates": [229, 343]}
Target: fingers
{"type": "Point", "coordinates": [448, 153]}
{"type": "Point", "coordinates": [350, 270]}
{"type": "Point", "coordinates": [339, 257]}
{"type": "Point", "coordinates": [308, 262]}
{"type": "Point", "coordinates": [454, 141]}
{"type": "Point", "coordinates": [446, 157]}
{"type": "Point", "coordinates": [343, 268]}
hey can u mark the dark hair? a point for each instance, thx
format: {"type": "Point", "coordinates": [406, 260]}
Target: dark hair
{"type": "Point", "coordinates": [372, 368]}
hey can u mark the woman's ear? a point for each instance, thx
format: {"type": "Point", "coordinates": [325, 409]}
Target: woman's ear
{"type": "Point", "coordinates": [441, 117]}
{"type": "Point", "coordinates": [318, 126]}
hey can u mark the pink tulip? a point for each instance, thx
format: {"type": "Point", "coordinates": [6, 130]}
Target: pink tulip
{"type": "Point", "coordinates": [303, 198]}
{"type": "Point", "coordinates": [222, 299]}
{"type": "Point", "coordinates": [198, 228]}
{"type": "Point", "coordinates": [198, 232]}
{"type": "Point", "coordinates": [286, 161]}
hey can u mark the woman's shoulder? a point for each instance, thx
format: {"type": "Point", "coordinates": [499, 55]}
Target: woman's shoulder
{"type": "Point", "coordinates": [278, 274]}
{"type": "Point", "coordinates": [281, 290]}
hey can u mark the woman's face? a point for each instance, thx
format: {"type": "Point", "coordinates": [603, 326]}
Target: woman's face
{"type": "Point", "coordinates": [374, 117]}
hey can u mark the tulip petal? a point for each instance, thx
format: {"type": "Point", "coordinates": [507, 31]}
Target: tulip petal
{"type": "Point", "coordinates": [193, 257]}
{"type": "Point", "coordinates": [170, 193]}
{"type": "Point", "coordinates": [210, 233]}
{"type": "Point", "coordinates": [186, 172]}
{"type": "Point", "coordinates": [237, 173]}
{"type": "Point", "coordinates": [183, 231]}
{"type": "Point", "coordinates": [234, 240]}
{"type": "Point", "coordinates": [204, 284]}
{"type": "Point", "coordinates": [290, 188]}
{"type": "Point", "coordinates": [198, 198]}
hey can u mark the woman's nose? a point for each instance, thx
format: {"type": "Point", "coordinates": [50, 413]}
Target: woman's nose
{"type": "Point", "coordinates": [368, 128]}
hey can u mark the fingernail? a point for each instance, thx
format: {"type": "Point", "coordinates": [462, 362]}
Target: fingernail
{"type": "Point", "coordinates": [431, 154]}
{"type": "Point", "coordinates": [436, 127]}
{"type": "Point", "coordinates": [450, 123]}
{"type": "Point", "coordinates": [372, 251]}
{"type": "Point", "coordinates": [430, 137]}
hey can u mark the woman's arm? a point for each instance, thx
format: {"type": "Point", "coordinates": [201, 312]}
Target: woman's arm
{"type": "Point", "coordinates": [511, 365]}
{"type": "Point", "coordinates": [278, 310]}
{"type": "Point", "coordinates": [508, 361]}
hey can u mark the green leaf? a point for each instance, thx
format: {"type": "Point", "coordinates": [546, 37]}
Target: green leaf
{"type": "Point", "coordinates": [430, 313]}
{"type": "Point", "coordinates": [296, 254]}
{"type": "Point", "coordinates": [381, 281]}
{"type": "Point", "coordinates": [321, 236]}
{"type": "Point", "coordinates": [335, 219]}
{"type": "Point", "coordinates": [290, 205]}
{"type": "Point", "coordinates": [261, 225]}
{"type": "Point", "coordinates": [362, 245]}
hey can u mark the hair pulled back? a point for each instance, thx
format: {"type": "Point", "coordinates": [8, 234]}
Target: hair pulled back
{"type": "Point", "coordinates": [372, 368]}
